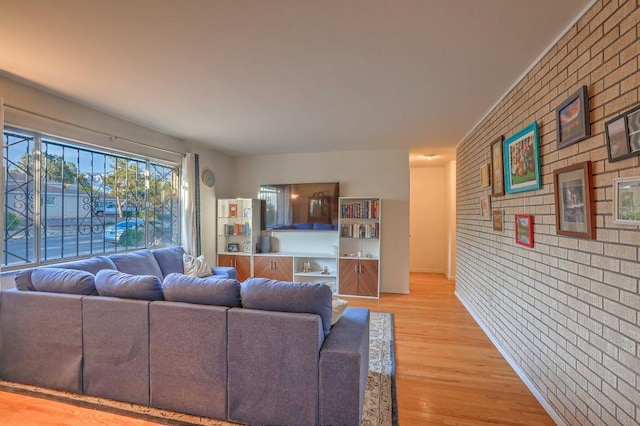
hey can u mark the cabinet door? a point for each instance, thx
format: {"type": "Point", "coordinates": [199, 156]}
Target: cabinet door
{"type": "Point", "coordinates": [226, 260]}
{"type": "Point", "coordinates": [348, 277]}
{"type": "Point", "coordinates": [243, 267]}
{"type": "Point", "coordinates": [368, 278]}
{"type": "Point", "coordinates": [262, 266]}
{"type": "Point", "coordinates": [273, 267]}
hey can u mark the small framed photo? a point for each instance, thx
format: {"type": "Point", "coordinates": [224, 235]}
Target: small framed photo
{"type": "Point", "coordinates": [233, 247]}
{"type": "Point", "coordinates": [573, 201]}
{"type": "Point", "coordinates": [572, 119]}
{"type": "Point", "coordinates": [497, 168]}
{"type": "Point", "coordinates": [626, 201]}
{"type": "Point", "coordinates": [617, 139]}
{"type": "Point", "coordinates": [233, 210]}
{"type": "Point", "coordinates": [497, 220]}
{"type": "Point", "coordinates": [485, 207]}
{"type": "Point", "coordinates": [633, 129]}
{"type": "Point", "coordinates": [524, 230]}
{"type": "Point", "coordinates": [522, 161]}
{"type": "Point", "coordinates": [485, 175]}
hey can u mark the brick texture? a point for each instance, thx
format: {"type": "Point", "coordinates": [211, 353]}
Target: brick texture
{"type": "Point", "coordinates": [567, 311]}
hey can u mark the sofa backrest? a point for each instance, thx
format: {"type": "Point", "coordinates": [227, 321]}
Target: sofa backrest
{"type": "Point", "coordinates": [170, 260]}
{"type": "Point", "coordinates": [141, 262]}
{"type": "Point", "coordinates": [92, 265]}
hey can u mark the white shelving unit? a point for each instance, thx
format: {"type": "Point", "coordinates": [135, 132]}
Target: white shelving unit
{"type": "Point", "coordinates": [238, 231]}
{"type": "Point", "coordinates": [359, 245]}
{"type": "Point", "coordinates": [317, 264]}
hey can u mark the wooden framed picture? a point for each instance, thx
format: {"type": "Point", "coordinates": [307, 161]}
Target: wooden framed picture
{"type": "Point", "coordinates": [497, 168]}
{"type": "Point", "coordinates": [573, 199]}
{"type": "Point", "coordinates": [617, 138]}
{"type": "Point", "coordinates": [572, 119]}
{"type": "Point", "coordinates": [485, 175]}
{"type": "Point", "coordinates": [626, 201]}
{"type": "Point", "coordinates": [497, 220]}
{"type": "Point", "coordinates": [485, 207]}
{"type": "Point", "coordinates": [524, 230]}
{"type": "Point", "coordinates": [522, 160]}
{"type": "Point", "coordinates": [233, 210]}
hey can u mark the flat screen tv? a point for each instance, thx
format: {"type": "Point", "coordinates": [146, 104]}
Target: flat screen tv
{"type": "Point", "coordinates": [301, 206]}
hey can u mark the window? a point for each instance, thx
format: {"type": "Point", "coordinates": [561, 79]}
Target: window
{"type": "Point", "coordinates": [91, 202]}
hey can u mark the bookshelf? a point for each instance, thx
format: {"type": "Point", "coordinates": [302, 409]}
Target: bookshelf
{"type": "Point", "coordinates": [238, 232]}
{"type": "Point", "coordinates": [359, 246]}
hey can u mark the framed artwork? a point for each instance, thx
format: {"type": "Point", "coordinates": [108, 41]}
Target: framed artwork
{"type": "Point", "coordinates": [524, 230]}
{"type": "Point", "coordinates": [626, 200]}
{"type": "Point", "coordinates": [617, 139]}
{"type": "Point", "coordinates": [573, 199]}
{"type": "Point", "coordinates": [497, 220]}
{"type": "Point", "coordinates": [233, 210]}
{"type": "Point", "coordinates": [497, 168]}
{"type": "Point", "coordinates": [633, 130]}
{"type": "Point", "coordinates": [485, 207]}
{"type": "Point", "coordinates": [521, 153]}
{"type": "Point", "coordinates": [485, 175]}
{"type": "Point", "coordinates": [572, 119]}
{"type": "Point", "coordinates": [233, 247]}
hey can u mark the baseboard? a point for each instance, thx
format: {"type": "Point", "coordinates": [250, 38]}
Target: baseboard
{"type": "Point", "coordinates": [528, 383]}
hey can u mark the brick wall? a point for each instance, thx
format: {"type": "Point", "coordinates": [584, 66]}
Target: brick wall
{"type": "Point", "coordinates": [567, 311]}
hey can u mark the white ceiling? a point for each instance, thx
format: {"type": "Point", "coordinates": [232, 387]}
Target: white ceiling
{"type": "Point", "coordinates": [277, 76]}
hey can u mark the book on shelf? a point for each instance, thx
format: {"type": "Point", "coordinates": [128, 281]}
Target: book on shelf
{"type": "Point", "coordinates": [360, 230]}
{"type": "Point", "coordinates": [366, 209]}
{"type": "Point", "coordinates": [237, 229]}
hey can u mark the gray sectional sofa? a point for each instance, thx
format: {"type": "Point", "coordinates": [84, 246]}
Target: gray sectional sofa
{"type": "Point", "coordinates": [132, 327]}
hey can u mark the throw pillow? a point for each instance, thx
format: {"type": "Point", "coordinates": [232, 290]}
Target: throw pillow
{"type": "Point", "coordinates": [60, 280]}
{"type": "Point", "coordinates": [120, 284]}
{"type": "Point", "coordinates": [195, 266]}
{"type": "Point", "coordinates": [141, 262]}
{"type": "Point", "coordinates": [338, 308]}
{"type": "Point", "coordinates": [205, 291]}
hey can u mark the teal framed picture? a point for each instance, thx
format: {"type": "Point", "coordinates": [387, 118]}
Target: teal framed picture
{"type": "Point", "coordinates": [522, 161]}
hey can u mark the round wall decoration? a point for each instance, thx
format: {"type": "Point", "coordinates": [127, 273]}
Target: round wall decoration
{"type": "Point", "coordinates": [208, 178]}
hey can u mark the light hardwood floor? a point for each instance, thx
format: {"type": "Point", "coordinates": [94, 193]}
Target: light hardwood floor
{"type": "Point", "coordinates": [447, 370]}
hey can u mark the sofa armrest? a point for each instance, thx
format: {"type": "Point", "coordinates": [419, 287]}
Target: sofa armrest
{"type": "Point", "coordinates": [344, 367]}
{"type": "Point", "coordinates": [225, 271]}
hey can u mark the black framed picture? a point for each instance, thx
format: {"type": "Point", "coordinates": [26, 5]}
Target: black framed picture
{"type": "Point", "coordinates": [572, 118]}
{"type": "Point", "coordinates": [617, 138]}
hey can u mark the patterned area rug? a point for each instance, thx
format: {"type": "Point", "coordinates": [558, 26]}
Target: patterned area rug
{"type": "Point", "coordinates": [380, 402]}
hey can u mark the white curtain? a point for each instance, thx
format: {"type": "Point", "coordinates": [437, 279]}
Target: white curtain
{"type": "Point", "coordinates": [189, 226]}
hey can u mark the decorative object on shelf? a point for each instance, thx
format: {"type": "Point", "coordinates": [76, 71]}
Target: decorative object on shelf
{"type": "Point", "coordinates": [524, 230]}
{"type": "Point", "coordinates": [233, 247]}
{"type": "Point", "coordinates": [497, 220]}
{"type": "Point", "coordinates": [246, 247]}
{"type": "Point", "coordinates": [208, 178]}
{"type": "Point", "coordinates": [521, 153]}
{"type": "Point", "coordinates": [485, 175]}
{"type": "Point", "coordinates": [497, 168]}
{"type": "Point", "coordinates": [485, 207]}
{"type": "Point", "coordinates": [573, 201]}
{"type": "Point", "coordinates": [626, 200]}
{"type": "Point", "coordinates": [572, 119]}
{"type": "Point", "coordinates": [325, 270]}
{"type": "Point", "coordinates": [247, 212]}
{"type": "Point", "coordinates": [233, 210]}
{"type": "Point", "coordinates": [306, 267]}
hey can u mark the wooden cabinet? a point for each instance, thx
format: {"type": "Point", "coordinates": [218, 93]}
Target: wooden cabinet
{"type": "Point", "coordinates": [275, 267]}
{"type": "Point", "coordinates": [359, 277]}
{"type": "Point", "coordinates": [241, 263]}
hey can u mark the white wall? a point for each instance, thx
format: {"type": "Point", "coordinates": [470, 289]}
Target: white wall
{"type": "Point", "coordinates": [382, 173]}
{"type": "Point", "coordinates": [428, 224]}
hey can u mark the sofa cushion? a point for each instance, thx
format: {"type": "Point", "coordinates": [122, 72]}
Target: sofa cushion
{"type": "Point", "coordinates": [92, 265]}
{"type": "Point", "coordinates": [141, 262]}
{"type": "Point", "coordinates": [169, 259]}
{"type": "Point", "coordinates": [271, 295]}
{"type": "Point", "coordinates": [120, 284]}
{"type": "Point", "coordinates": [59, 280]}
{"type": "Point", "coordinates": [205, 291]}
{"type": "Point", "coordinates": [196, 266]}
